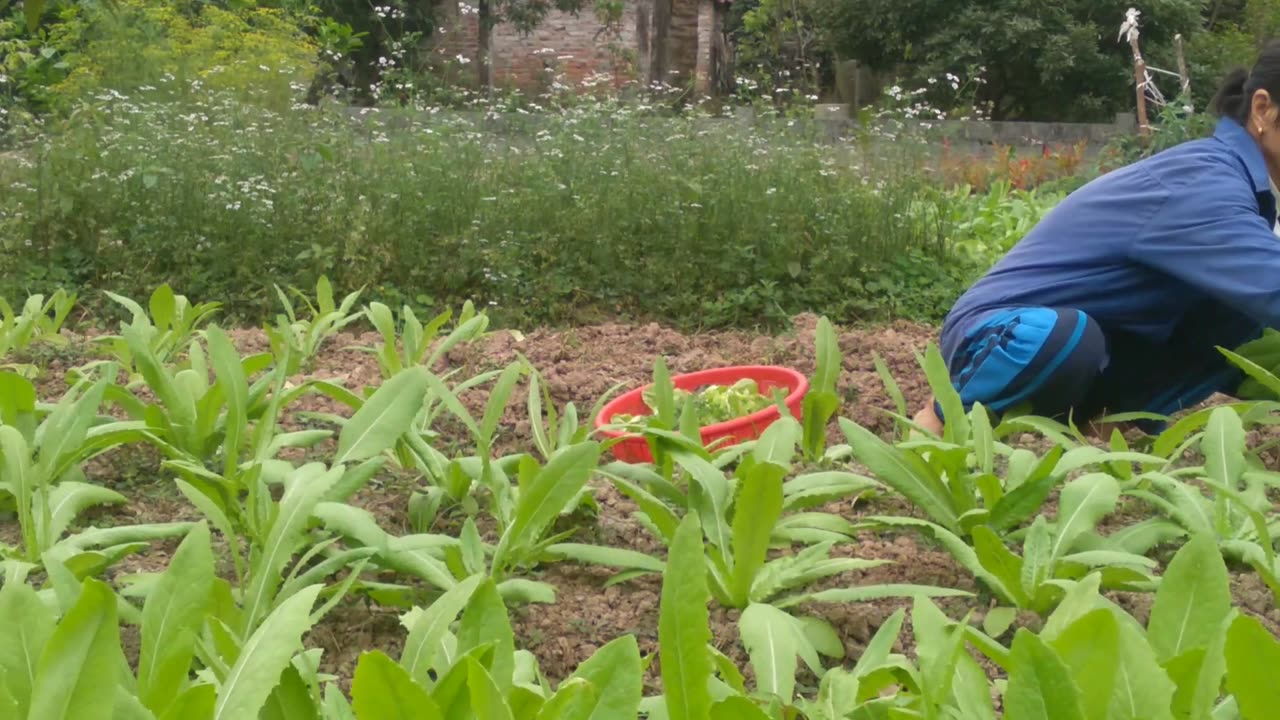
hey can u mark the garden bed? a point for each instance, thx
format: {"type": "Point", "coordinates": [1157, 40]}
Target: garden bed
{"type": "Point", "coordinates": [579, 366]}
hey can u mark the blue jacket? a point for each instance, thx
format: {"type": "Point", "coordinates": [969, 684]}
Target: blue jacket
{"type": "Point", "coordinates": [1138, 247]}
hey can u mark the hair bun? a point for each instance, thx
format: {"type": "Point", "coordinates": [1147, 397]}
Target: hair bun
{"type": "Point", "coordinates": [1230, 99]}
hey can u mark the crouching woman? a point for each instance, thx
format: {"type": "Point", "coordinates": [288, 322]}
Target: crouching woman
{"type": "Point", "coordinates": [1118, 299]}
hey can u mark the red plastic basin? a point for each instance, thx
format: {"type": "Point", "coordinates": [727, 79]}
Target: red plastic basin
{"type": "Point", "coordinates": [634, 448]}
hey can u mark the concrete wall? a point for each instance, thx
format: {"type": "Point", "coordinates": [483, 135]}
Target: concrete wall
{"type": "Point", "coordinates": [983, 136]}
{"type": "Point", "coordinates": [977, 136]}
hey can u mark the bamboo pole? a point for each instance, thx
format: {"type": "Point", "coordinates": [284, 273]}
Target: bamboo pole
{"type": "Point", "coordinates": [1140, 85]}
{"type": "Point", "coordinates": [1183, 75]}
{"type": "Point", "coordinates": [1129, 31]}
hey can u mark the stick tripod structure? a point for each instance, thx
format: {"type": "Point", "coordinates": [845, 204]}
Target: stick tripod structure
{"type": "Point", "coordinates": [1144, 84]}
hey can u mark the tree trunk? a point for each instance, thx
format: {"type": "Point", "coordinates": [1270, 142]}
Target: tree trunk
{"type": "Point", "coordinates": [720, 65]}
{"type": "Point", "coordinates": [684, 45]}
{"type": "Point", "coordinates": [1213, 16]}
{"type": "Point", "coordinates": [484, 44]}
{"type": "Point", "coordinates": [644, 22]}
{"type": "Point", "coordinates": [660, 44]}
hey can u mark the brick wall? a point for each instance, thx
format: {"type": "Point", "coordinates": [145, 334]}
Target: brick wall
{"type": "Point", "coordinates": [578, 49]}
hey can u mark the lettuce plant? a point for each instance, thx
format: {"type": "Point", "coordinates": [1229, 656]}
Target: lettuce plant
{"type": "Point", "coordinates": [202, 422]}
{"type": "Point", "coordinates": [417, 346]}
{"type": "Point", "coordinates": [1260, 359]}
{"type": "Point", "coordinates": [1054, 554]}
{"type": "Point", "coordinates": [699, 681]}
{"type": "Point", "coordinates": [460, 478]}
{"type": "Point", "coordinates": [1226, 494]}
{"type": "Point", "coordinates": [978, 493]}
{"type": "Point", "coordinates": [458, 481]}
{"type": "Point", "coordinates": [822, 401]}
{"type": "Point", "coordinates": [450, 482]}
{"type": "Point", "coordinates": [39, 320]}
{"type": "Point", "coordinates": [413, 450]}
{"type": "Point", "coordinates": [942, 682]}
{"type": "Point", "coordinates": [739, 521]}
{"type": "Point", "coordinates": [66, 661]}
{"type": "Point", "coordinates": [1194, 646]}
{"type": "Point", "coordinates": [539, 496]}
{"type": "Point", "coordinates": [412, 343]}
{"type": "Point", "coordinates": [1197, 657]}
{"type": "Point", "coordinates": [970, 476]}
{"type": "Point", "coordinates": [468, 666]}
{"type": "Point", "coordinates": [553, 429]}
{"type": "Point", "coordinates": [743, 519]}
{"type": "Point", "coordinates": [1257, 547]}
{"type": "Point", "coordinates": [40, 472]}
{"type": "Point", "coordinates": [1237, 486]}
{"type": "Point", "coordinates": [303, 336]}
{"type": "Point", "coordinates": [167, 326]}
{"type": "Point", "coordinates": [240, 502]}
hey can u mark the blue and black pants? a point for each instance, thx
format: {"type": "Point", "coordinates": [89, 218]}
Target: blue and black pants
{"type": "Point", "coordinates": [1059, 363]}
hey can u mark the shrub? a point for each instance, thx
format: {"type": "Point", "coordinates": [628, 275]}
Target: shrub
{"type": "Point", "coordinates": [254, 52]}
{"type": "Point", "coordinates": [1005, 166]}
{"type": "Point", "coordinates": [985, 227]}
{"type": "Point", "coordinates": [1173, 124]}
{"type": "Point", "coordinates": [563, 217]}
{"type": "Point", "coordinates": [30, 65]}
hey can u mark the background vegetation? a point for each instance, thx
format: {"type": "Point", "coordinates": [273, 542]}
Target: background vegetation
{"type": "Point", "coordinates": [199, 518]}
{"type": "Point", "coordinates": [554, 207]}
{"type": "Point", "coordinates": [604, 211]}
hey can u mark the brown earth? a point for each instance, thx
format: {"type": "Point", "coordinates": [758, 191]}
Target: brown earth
{"type": "Point", "coordinates": [580, 366]}
{"type": "Point", "coordinates": [585, 364]}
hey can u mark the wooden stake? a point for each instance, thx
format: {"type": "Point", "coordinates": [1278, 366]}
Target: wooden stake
{"type": "Point", "coordinates": [1140, 81]}
{"type": "Point", "coordinates": [1183, 75]}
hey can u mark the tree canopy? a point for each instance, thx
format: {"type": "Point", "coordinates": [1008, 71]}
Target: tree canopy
{"type": "Point", "coordinates": [1040, 60]}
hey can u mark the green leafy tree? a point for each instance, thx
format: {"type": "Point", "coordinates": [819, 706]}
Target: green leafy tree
{"type": "Point", "coordinates": [781, 49]}
{"type": "Point", "coordinates": [1234, 32]}
{"type": "Point", "coordinates": [1041, 61]}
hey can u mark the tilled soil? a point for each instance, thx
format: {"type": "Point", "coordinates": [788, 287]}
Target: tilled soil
{"type": "Point", "coordinates": [581, 366]}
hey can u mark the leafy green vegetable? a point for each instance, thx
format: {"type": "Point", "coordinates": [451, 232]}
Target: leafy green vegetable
{"type": "Point", "coordinates": [710, 404]}
{"type": "Point", "coordinates": [40, 468]}
{"type": "Point", "coordinates": [165, 327]}
{"type": "Point", "coordinates": [683, 631]}
{"type": "Point", "coordinates": [1252, 652]}
{"type": "Point", "coordinates": [300, 338]}
{"type": "Point", "coordinates": [40, 321]}
{"type": "Point", "coordinates": [822, 400]}
{"type": "Point", "coordinates": [82, 660]}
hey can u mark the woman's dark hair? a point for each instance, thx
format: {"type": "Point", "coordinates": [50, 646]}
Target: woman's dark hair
{"type": "Point", "coordinates": [1235, 95]}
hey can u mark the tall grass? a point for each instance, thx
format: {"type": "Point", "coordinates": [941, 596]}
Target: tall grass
{"type": "Point", "coordinates": [597, 211]}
